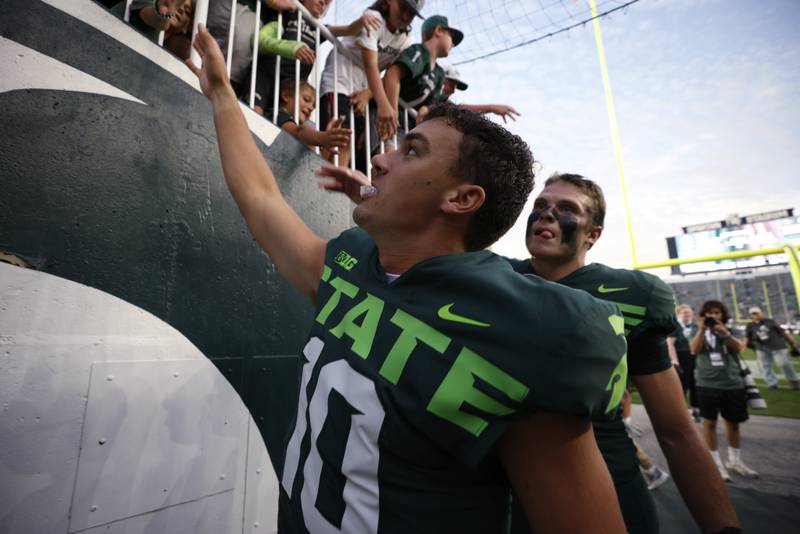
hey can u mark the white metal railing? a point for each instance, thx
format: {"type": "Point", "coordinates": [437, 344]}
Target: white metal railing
{"type": "Point", "coordinates": [201, 16]}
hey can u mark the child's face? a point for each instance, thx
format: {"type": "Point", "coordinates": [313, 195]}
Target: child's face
{"type": "Point", "coordinates": [307, 103]}
{"type": "Point", "coordinates": [317, 8]}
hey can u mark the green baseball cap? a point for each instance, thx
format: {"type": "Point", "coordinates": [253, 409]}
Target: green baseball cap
{"type": "Point", "coordinates": [440, 20]}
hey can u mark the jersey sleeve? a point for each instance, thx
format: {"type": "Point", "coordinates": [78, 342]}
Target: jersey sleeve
{"type": "Point", "coordinates": [649, 354]}
{"type": "Point", "coordinates": [412, 59]}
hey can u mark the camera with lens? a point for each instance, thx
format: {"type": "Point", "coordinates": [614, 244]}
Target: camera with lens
{"type": "Point", "coordinates": [754, 398]}
{"type": "Point", "coordinates": [710, 322]}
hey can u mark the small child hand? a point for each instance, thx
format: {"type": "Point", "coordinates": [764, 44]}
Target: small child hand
{"type": "Point", "coordinates": [387, 122]}
{"type": "Point", "coordinates": [334, 135]}
{"type": "Point", "coordinates": [305, 55]}
{"type": "Point", "coordinates": [359, 100]}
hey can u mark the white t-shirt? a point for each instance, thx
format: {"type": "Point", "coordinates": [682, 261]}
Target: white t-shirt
{"type": "Point", "coordinates": [351, 75]}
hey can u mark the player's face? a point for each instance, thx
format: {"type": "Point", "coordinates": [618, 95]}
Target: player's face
{"type": "Point", "coordinates": [756, 316]}
{"type": "Point", "coordinates": [411, 182]}
{"type": "Point", "coordinates": [446, 43]}
{"type": "Point", "coordinates": [686, 315]}
{"type": "Point", "coordinates": [560, 224]}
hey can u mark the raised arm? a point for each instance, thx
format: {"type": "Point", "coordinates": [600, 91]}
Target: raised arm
{"type": "Point", "coordinates": [367, 20]}
{"type": "Point", "coordinates": [333, 137]}
{"type": "Point", "coordinates": [500, 110]}
{"type": "Point", "coordinates": [690, 463]}
{"type": "Point", "coordinates": [391, 82]}
{"type": "Point", "coordinates": [269, 43]}
{"type": "Point", "coordinates": [559, 477]}
{"type": "Point", "coordinates": [387, 115]}
{"type": "Point", "coordinates": [295, 250]}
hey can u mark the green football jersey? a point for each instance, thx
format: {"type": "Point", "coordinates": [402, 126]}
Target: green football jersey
{"type": "Point", "coordinates": [406, 386]}
{"type": "Point", "coordinates": [421, 85]}
{"type": "Point", "coordinates": [648, 305]}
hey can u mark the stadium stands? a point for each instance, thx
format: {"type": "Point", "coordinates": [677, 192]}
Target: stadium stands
{"type": "Point", "coordinates": [771, 290]}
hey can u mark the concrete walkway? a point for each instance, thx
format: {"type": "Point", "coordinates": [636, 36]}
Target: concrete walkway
{"type": "Point", "coordinates": [770, 503]}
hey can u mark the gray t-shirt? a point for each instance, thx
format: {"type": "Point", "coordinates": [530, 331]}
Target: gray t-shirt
{"type": "Point", "coordinates": [765, 335]}
{"type": "Point", "coordinates": [717, 366]}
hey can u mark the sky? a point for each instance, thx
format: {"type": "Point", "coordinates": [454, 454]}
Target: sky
{"type": "Point", "coordinates": [707, 97]}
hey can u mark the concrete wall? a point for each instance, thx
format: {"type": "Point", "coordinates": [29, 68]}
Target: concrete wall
{"type": "Point", "coordinates": [110, 177]}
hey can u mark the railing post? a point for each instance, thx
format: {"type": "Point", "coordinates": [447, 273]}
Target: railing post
{"type": "Point", "coordinates": [335, 53]}
{"type": "Point", "coordinates": [200, 17]}
{"type": "Point", "coordinates": [352, 139]}
{"type": "Point", "coordinates": [367, 143]}
{"type": "Point", "coordinates": [276, 82]}
{"type": "Point", "coordinates": [231, 34]}
{"type": "Point", "coordinates": [297, 70]}
{"type": "Point", "coordinates": [254, 67]}
{"type": "Point", "coordinates": [316, 86]}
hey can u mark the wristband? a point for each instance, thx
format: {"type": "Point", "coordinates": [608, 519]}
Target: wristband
{"type": "Point", "coordinates": [168, 16]}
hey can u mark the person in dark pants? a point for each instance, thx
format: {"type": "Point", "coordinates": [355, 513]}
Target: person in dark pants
{"type": "Point", "coordinates": [682, 355]}
{"type": "Point", "coordinates": [720, 386]}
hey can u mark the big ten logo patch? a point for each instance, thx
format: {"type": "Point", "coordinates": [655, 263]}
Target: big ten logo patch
{"type": "Point", "coordinates": [345, 260]}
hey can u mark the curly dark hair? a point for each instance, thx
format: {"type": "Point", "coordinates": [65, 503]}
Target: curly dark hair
{"type": "Point", "coordinates": [709, 305]}
{"type": "Point", "coordinates": [495, 159]}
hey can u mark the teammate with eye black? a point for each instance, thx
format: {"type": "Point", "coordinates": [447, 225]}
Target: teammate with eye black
{"type": "Point", "coordinates": [429, 385]}
{"type": "Point", "coordinates": [566, 220]}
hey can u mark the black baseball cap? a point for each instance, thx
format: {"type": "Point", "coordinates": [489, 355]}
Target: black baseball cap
{"type": "Point", "coordinates": [416, 6]}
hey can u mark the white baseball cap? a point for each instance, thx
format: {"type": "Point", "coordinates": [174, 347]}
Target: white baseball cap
{"type": "Point", "coordinates": [451, 73]}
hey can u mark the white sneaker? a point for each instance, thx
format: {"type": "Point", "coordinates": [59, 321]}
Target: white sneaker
{"type": "Point", "coordinates": [723, 473]}
{"type": "Point", "coordinates": [740, 468]}
{"type": "Point", "coordinates": [656, 479]}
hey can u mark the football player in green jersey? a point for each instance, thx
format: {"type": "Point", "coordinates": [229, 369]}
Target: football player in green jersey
{"type": "Point", "coordinates": [566, 220]}
{"type": "Point", "coordinates": [429, 382]}
{"type": "Point", "coordinates": [415, 76]}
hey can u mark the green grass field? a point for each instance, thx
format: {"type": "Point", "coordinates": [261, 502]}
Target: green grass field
{"type": "Point", "coordinates": [784, 402]}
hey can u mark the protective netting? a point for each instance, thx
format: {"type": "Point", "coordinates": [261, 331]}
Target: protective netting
{"type": "Point", "coordinates": [495, 26]}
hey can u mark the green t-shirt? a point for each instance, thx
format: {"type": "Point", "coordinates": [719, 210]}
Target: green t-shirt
{"type": "Point", "coordinates": [648, 305]}
{"type": "Point", "coordinates": [420, 85]}
{"type": "Point", "coordinates": [717, 366]}
{"type": "Point", "coordinates": [407, 386]}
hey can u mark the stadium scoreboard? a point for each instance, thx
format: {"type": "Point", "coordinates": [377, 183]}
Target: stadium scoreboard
{"type": "Point", "coordinates": [752, 232]}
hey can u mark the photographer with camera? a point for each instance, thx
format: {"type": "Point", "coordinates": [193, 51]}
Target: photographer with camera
{"type": "Point", "coordinates": [720, 386]}
{"type": "Point", "coordinates": [769, 340]}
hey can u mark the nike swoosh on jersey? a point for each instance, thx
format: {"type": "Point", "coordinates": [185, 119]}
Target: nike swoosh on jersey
{"type": "Point", "coordinates": [603, 289]}
{"type": "Point", "coordinates": [445, 313]}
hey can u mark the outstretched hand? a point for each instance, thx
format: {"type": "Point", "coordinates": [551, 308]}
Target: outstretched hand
{"type": "Point", "coordinates": [213, 74]}
{"type": "Point", "coordinates": [343, 180]}
{"type": "Point", "coordinates": [504, 111]}
{"type": "Point", "coordinates": [336, 136]}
